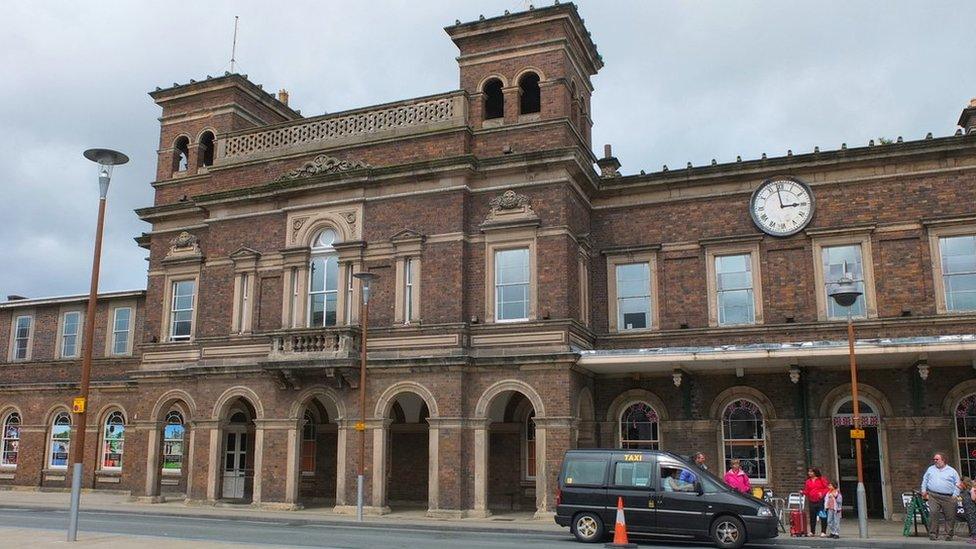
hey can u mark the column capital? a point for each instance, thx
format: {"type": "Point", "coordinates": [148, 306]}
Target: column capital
{"type": "Point", "coordinates": [206, 423]}
{"type": "Point", "coordinates": [276, 424]}
{"type": "Point", "coordinates": [371, 423]}
{"type": "Point", "coordinates": [552, 422]}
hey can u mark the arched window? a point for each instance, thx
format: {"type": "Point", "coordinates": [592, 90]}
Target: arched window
{"type": "Point", "coordinates": [60, 441]}
{"type": "Point", "coordinates": [323, 289]}
{"type": "Point", "coordinates": [113, 441]}
{"type": "Point", "coordinates": [530, 99]}
{"type": "Point", "coordinates": [173, 434]}
{"type": "Point", "coordinates": [744, 437]}
{"type": "Point", "coordinates": [494, 99]}
{"type": "Point", "coordinates": [181, 154]}
{"type": "Point", "coordinates": [639, 427]}
{"type": "Point", "coordinates": [207, 148]}
{"type": "Point", "coordinates": [308, 443]}
{"type": "Point", "coordinates": [10, 440]}
{"type": "Point", "coordinates": [529, 437]}
{"type": "Point", "coordinates": [966, 435]}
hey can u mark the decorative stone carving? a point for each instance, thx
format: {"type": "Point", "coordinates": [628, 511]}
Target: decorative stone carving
{"type": "Point", "coordinates": [322, 164]}
{"type": "Point", "coordinates": [510, 208]}
{"type": "Point", "coordinates": [185, 244]}
{"type": "Point", "coordinates": [297, 224]}
{"type": "Point", "coordinates": [350, 217]}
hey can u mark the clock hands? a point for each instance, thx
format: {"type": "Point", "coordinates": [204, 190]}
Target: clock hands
{"type": "Point", "coordinates": [780, 197]}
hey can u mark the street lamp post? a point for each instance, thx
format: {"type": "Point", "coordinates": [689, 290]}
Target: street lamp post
{"type": "Point", "coordinates": [364, 278]}
{"type": "Point", "coordinates": [845, 294]}
{"type": "Point", "coordinates": [106, 160]}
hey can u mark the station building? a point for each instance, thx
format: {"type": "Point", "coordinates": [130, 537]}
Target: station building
{"type": "Point", "coordinates": [530, 298]}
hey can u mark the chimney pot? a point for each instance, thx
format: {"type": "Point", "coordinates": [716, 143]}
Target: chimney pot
{"type": "Point", "coordinates": [283, 96]}
{"type": "Point", "coordinates": [607, 151]}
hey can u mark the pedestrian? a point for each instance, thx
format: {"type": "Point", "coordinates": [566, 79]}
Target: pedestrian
{"type": "Point", "coordinates": [833, 503]}
{"type": "Point", "coordinates": [815, 489]}
{"type": "Point", "coordinates": [736, 478]}
{"type": "Point", "coordinates": [940, 486]}
{"type": "Point", "coordinates": [690, 477]}
{"type": "Point", "coordinates": [967, 493]}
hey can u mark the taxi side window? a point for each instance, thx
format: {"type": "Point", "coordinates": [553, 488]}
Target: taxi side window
{"type": "Point", "coordinates": [678, 479]}
{"type": "Point", "coordinates": [580, 471]}
{"type": "Point", "coordinates": [633, 474]}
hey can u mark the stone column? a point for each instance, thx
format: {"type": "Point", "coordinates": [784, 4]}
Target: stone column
{"type": "Point", "coordinates": [151, 491]}
{"type": "Point", "coordinates": [206, 438]}
{"type": "Point", "coordinates": [481, 438]}
{"type": "Point", "coordinates": [342, 443]}
{"type": "Point", "coordinates": [444, 453]}
{"type": "Point", "coordinates": [381, 445]}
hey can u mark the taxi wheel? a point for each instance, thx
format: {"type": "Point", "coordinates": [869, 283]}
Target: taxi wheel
{"type": "Point", "coordinates": [728, 532]}
{"type": "Point", "coordinates": [588, 528]}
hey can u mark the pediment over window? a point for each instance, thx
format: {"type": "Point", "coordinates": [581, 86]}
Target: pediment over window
{"type": "Point", "coordinates": [323, 164]}
{"type": "Point", "coordinates": [245, 253]}
{"type": "Point", "coordinates": [407, 235]}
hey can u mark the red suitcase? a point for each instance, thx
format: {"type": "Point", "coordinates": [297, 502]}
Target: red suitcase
{"type": "Point", "coordinates": [798, 523]}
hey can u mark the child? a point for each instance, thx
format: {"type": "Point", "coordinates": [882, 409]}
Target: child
{"type": "Point", "coordinates": [832, 504]}
{"type": "Point", "coordinates": [967, 493]}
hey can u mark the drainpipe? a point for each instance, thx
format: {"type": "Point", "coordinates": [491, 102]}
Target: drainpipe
{"type": "Point", "coordinates": [804, 413]}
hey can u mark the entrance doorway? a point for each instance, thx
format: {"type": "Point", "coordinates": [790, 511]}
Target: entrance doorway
{"type": "Point", "coordinates": [238, 471]}
{"type": "Point", "coordinates": [871, 454]}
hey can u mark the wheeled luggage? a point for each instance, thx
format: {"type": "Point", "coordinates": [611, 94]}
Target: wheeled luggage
{"type": "Point", "coordinates": [798, 523]}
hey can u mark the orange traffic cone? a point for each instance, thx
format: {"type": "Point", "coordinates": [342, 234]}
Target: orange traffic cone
{"type": "Point", "coordinates": [620, 528]}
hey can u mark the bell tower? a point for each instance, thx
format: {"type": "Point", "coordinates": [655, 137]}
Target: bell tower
{"type": "Point", "coordinates": [528, 68]}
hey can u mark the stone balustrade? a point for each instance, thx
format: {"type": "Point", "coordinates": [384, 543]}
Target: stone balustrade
{"type": "Point", "coordinates": [314, 344]}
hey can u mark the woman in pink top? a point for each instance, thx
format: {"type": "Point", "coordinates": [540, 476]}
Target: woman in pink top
{"type": "Point", "coordinates": [736, 478]}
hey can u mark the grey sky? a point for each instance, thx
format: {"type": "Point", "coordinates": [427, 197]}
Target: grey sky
{"type": "Point", "coordinates": [683, 81]}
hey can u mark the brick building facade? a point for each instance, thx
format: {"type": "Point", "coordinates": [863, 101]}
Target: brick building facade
{"type": "Point", "coordinates": [530, 299]}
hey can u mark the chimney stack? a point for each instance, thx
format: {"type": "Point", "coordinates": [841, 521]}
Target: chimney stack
{"type": "Point", "coordinates": [968, 117]}
{"type": "Point", "coordinates": [283, 96]}
{"type": "Point", "coordinates": [609, 165]}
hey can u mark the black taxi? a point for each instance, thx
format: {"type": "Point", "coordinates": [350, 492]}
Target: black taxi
{"type": "Point", "coordinates": [663, 494]}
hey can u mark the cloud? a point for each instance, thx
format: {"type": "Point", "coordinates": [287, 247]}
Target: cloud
{"type": "Point", "coordinates": [683, 82]}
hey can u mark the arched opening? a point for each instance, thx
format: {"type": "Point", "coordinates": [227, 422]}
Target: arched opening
{"type": "Point", "coordinates": [10, 439]}
{"type": "Point", "coordinates": [842, 420]}
{"type": "Point", "coordinates": [181, 154]}
{"type": "Point", "coordinates": [60, 441]}
{"type": "Point", "coordinates": [237, 452]}
{"type": "Point", "coordinates": [323, 288]}
{"type": "Point", "coordinates": [173, 438]}
{"type": "Point", "coordinates": [408, 453]}
{"type": "Point", "coordinates": [639, 427]}
{"type": "Point", "coordinates": [966, 435]}
{"type": "Point", "coordinates": [207, 149]}
{"type": "Point", "coordinates": [744, 438]}
{"type": "Point", "coordinates": [113, 442]}
{"type": "Point", "coordinates": [512, 454]}
{"type": "Point", "coordinates": [530, 99]}
{"type": "Point", "coordinates": [494, 99]}
{"type": "Point", "coordinates": [318, 447]}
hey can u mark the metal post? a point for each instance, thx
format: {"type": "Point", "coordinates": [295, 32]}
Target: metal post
{"type": "Point", "coordinates": [862, 505]}
{"type": "Point", "coordinates": [78, 440]}
{"type": "Point", "coordinates": [364, 314]}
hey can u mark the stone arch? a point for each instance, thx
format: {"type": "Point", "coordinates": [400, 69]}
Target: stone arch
{"type": "Point", "coordinates": [228, 397]}
{"type": "Point", "coordinates": [492, 76]}
{"type": "Point", "coordinates": [107, 409]}
{"type": "Point", "coordinates": [584, 409]}
{"type": "Point", "coordinates": [627, 398]}
{"type": "Point", "coordinates": [481, 409]}
{"type": "Point", "coordinates": [53, 411]}
{"type": "Point", "coordinates": [386, 399]}
{"type": "Point", "coordinates": [726, 397]}
{"type": "Point", "coordinates": [8, 409]}
{"type": "Point", "coordinates": [324, 220]}
{"type": "Point", "coordinates": [205, 130]}
{"type": "Point", "coordinates": [525, 70]}
{"type": "Point", "coordinates": [956, 394]}
{"type": "Point", "coordinates": [164, 402]}
{"type": "Point", "coordinates": [325, 394]}
{"type": "Point", "coordinates": [839, 393]}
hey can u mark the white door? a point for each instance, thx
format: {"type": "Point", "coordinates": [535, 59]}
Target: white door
{"type": "Point", "coordinates": [235, 463]}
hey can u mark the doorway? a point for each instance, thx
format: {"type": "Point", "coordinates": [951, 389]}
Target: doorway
{"type": "Point", "coordinates": [871, 456]}
{"type": "Point", "coordinates": [238, 471]}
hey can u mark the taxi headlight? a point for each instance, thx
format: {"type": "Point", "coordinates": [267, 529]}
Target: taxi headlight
{"type": "Point", "coordinates": [764, 512]}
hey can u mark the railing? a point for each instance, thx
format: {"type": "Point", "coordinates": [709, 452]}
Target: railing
{"type": "Point", "coordinates": [315, 343]}
{"type": "Point", "coordinates": [401, 118]}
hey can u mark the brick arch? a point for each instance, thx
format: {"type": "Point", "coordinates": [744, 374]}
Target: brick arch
{"type": "Point", "coordinates": [223, 402]}
{"type": "Point", "coordinates": [107, 409]}
{"type": "Point", "coordinates": [956, 394]}
{"type": "Point", "coordinates": [53, 411]}
{"type": "Point", "coordinates": [8, 409]}
{"type": "Point", "coordinates": [492, 76]}
{"type": "Point", "coordinates": [585, 406]}
{"type": "Point", "coordinates": [320, 392]}
{"type": "Point", "coordinates": [525, 70]}
{"type": "Point", "coordinates": [203, 131]}
{"type": "Point", "coordinates": [481, 410]}
{"type": "Point", "coordinates": [169, 398]}
{"type": "Point", "coordinates": [731, 394]}
{"type": "Point", "coordinates": [632, 396]}
{"type": "Point", "coordinates": [840, 392]}
{"type": "Point", "coordinates": [385, 402]}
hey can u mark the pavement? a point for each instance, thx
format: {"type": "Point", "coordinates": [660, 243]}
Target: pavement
{"type": "Point", "coordinates": [117, 509]}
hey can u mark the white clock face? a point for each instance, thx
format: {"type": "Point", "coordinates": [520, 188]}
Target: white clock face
{"type": "Point", "coordinates": [782, 206]}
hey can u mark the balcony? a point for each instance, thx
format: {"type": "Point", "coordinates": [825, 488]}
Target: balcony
{"type": "Point", "coordinates": [315, 344]}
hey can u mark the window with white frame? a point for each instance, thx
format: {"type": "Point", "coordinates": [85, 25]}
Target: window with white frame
{"type": "Point", "coordinates": [838, 261]}
{"type": "Point", "coordinates": [512, 285]}
{"type": "Point", "coordinates": [966, 435]}
{"type": "Point", "coordinates": [181, 311]}
{"type": "Point", "coordinates": [70, 324]}
{"type": "Point", "coordinates": [244, 303]}
{"type": "Point", "coordinates": [323, 290]}
{"type": "Point", "coordinates": [60, 441]}
{"type": "Point", "coordinates": [121, 326]}
{"type": "Point", "coordinates": [349, 288]}
{"type": "Point", "coordinates": [633, 296]}
{"type": "Point", "coordinates": [407, 290]}
{"type": "Point", "coordinates": [733, 287]}
{"type": "Point", "coordinates": [10, 440]}
{"type": "Point", "coordinates": [113, 441]}
{"type": "Point", "coordinates": [22, 336]}
{"type": "Point", "coordinates": [173, 433]}
{"type": "Point", "coordinates": [639, 428]}
{"type": "Point", "coordinates": [958, 255]}
{"type": "Point", "coordinates": [744, 438]}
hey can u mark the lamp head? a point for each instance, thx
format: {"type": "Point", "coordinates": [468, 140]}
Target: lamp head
{"type": "Point", "coordinates": [845, 291]}
{"type": "Point", "coordinates": [365, 278]}
{"type": "Point", "coordinates": [106, 160]}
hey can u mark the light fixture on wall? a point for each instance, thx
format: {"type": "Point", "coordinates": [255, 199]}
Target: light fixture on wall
{"type": "Point", "coordinates": [676, 376]}
{"type": "Point", "coordinates": [923, 369]}
{"type": "Point", "coordinates": [794, 374]}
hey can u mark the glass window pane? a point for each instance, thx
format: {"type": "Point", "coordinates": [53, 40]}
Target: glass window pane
{"type": "Point", "coordinates": [513, 311]}
{"type": "Point", "coordinates": [317, 274]}
{"type": "Point", "coordinates": [332, 273]}
{"type": "Point", "coordinates": [958, 254]}
{"type": "Point", "coordinates": [634, 313]}
{"type": "Point", "coordinates": [579, 471]}
{"type": "Point", "coordinates": [636, 474]}
{"type": "Point", "coordinates": [330, 309]}
{"type": "Point", "coordinates": [512, 266]}
{"type": "Point", "coordinates": [633, 280]}
{"type": "Point", "coordinates": [317, 316]}
{"type": "Point", "coordinates": [736, 307]}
